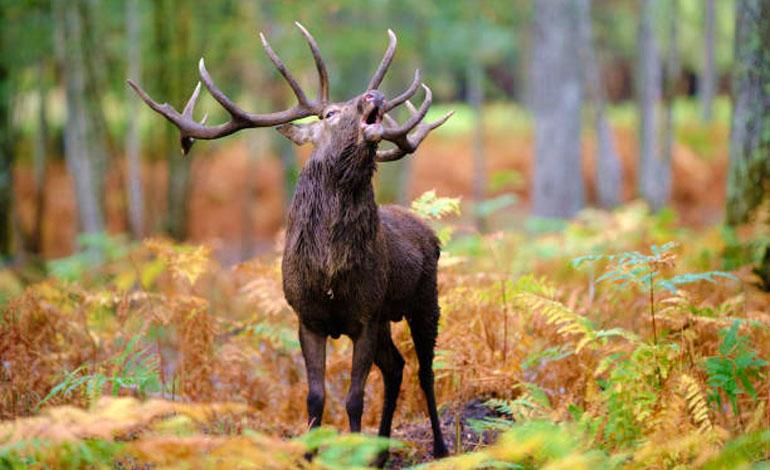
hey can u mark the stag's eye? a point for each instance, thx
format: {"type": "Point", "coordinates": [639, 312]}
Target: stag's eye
{"type": "Point", "coordinates": [330, 113]}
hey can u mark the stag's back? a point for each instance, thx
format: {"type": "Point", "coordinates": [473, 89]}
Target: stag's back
{"type": "Point", "coordinates": [413, 250]}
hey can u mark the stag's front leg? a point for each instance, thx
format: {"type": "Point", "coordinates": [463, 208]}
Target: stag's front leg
{"type": "Point", "coordinates": [314, 351]}
{"type": "Point", "coordinates": [363, 356]}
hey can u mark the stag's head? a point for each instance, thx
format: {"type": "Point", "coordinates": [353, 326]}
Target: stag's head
{"type": "Point", "coordinates": [362, 120]}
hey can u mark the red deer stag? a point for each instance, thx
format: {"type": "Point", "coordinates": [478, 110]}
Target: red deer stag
{"type": "Point", "coordinates": [349, 266]}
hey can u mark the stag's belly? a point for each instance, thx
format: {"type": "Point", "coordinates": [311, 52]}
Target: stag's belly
{"type": "Point", "coordinates": [336, 304]}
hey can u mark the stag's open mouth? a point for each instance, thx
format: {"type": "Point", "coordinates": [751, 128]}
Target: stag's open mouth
{"type": "Point", "coordinates": [371, 123]}
{"type": "Point", "coordinates": [373, 116]}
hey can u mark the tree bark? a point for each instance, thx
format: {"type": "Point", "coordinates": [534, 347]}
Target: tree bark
{"type": "Point", "coordinates": [609, 171]}
{"type": "Point", "coordinates": [85, 164]}
{"type": "Point", "coordinates": [174, 79]}
{"type": "Point", "coordinates": [6, 162]}
{"type": "Point", "coordinates": [557, 100]}
{"type": "Point", "coordinates": [749, 172]}
{"type": "Point", "coordinates": [708, 79]}
{"type": "Point", "coordinates": [672, 75]}
{"type": "Point", "coordinates": [475, 79]}
{"type": "Point", "coordinates": [654, 167]}
{"type": "Point", "coordinates": [134, 188]}
{"type": "Point", "coordinates": [39, 161]}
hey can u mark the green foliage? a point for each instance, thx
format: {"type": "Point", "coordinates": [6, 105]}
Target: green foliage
{"type": "Point", "coordinates": [489, 206]}
{"type": "Point", "coordinates": [532, 404]}
{"type": "Point", "coordinates": [432, 207]}
{"type": "Point", "coordinates": [87, 453]}
{"type": "Point", "coordinates": [632, 389]}
{"type": "Point", "coordinates": [506, 180]}
{"type": "Point", "coordinates": [135, 369]}
{"type": "Point", "coordinates": [644, 271]}
{"type": "Point", "coordinates": [280, 335]}
{"type": "Point", "coordinates": [732, 371]}
{"type": "Point", "coordinates": [94, 250]}
{"type": "Point", "coordinates": [337, 451]}
{"type": "Point", "coordinates": [742, 451]}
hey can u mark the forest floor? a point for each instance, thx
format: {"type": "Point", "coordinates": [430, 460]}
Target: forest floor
{"type": "Point", "coordinates": [649, 352]}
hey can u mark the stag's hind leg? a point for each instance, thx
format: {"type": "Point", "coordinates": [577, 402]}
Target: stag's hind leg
{"type": "Point", "coordinates": [390, 362]}
{"type": "Point", "coordinates": [423, 322]}
{"type": "Point", "coordinates": [388, 359]}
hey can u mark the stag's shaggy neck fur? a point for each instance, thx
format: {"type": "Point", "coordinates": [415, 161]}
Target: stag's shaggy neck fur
{"type": "Point", "coordinates": [333, 219]}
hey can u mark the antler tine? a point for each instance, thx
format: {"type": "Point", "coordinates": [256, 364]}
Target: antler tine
{"type": "Point", "coordinates": [218, 95]}
{"type": "Point", "coordinates": [414, 119]}
{"type": "Point", "coordinates": [386, 59]}
{"type": "Point", "coordinates": [391, 122]}
{"type": "Point", "coordinates": [239, 119]}
{"type": "Point", "coordinates": [285, 72]}
{"type": "Point", "coordinates": [190, 106]}
{"type": "Point", "coordinates": [408, 143]}
{"type": "Point", "coordinates": [398, 100]}
{"type": "Point", "coordinates": [323, 76]}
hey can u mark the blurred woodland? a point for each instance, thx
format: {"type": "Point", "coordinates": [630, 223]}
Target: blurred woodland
{"type": "Point", "coordinates": [82, 155]}
{"type": "Point", "coordinates": [601, 193]}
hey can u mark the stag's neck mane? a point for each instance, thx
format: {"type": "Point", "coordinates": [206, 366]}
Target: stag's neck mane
{"type": "Point", "coordinates": [333, 219]}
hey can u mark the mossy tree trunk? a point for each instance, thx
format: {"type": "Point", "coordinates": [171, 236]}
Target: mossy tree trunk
{"type": "Point", "coordinates": [175, 81]}
{"type": "Point", "coordinates": [6, 165]}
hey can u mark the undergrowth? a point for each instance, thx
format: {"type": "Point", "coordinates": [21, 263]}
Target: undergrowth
{"type": "Point", "coordinates": [620, 341]}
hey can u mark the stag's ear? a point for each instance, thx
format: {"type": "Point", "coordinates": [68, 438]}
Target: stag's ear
{"type": "Point", "coordinates": [301, 134]}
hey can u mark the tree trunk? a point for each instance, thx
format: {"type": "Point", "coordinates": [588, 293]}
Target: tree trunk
{"type": "Point", "coordinates": [6, 162]}
{"type": "Point", "coordinates": [708, 79]}
{"type": "Point", "coordinates": [39, 161]}
{"type": "Point", "coordinates": [135, 194]}
{"type": "Point", "coordinates": [174, 79]}
{"type": "Point", "coordinates": [749, 172]}
{"type": "Point", "coordinates": [654, 167]}
{"type": "Point", "coordinates": [609, 171]}
{"type": "Point", "coordinates": [84, 163]}
{"type": "Point", "coordinates": [475, 79]}
{"type": "Point", "coordinates": [557, 99]}
{"type": "Point", "coordinates": [672, 74]}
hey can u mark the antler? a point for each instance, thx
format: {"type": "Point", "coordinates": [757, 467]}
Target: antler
{"type": "Point", "coordinates": [400, 135]}
{"type": "Point", "coordinates": [240, 119]}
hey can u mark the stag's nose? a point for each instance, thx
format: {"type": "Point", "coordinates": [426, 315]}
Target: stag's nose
{"type": "Point", "coordinates": [375, 97]}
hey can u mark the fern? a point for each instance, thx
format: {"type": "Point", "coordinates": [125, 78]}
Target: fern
{"type": "Point", "coordinates": [732, 371]}
{"type": "Point", "coordinates": [644, 271]}
{"type": "Point", "coordinates": [133, 369]}
{"type": "Point", "coordinates": [431, 207]}
{"type": "Point", "coordinates": [532, 404]}
{"type": "Point", "coordinates": [696, 402]}
{"type": "Point", "coordinates": [631, 389]}
{"type": "Point", "coordinates": [569, 323]}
